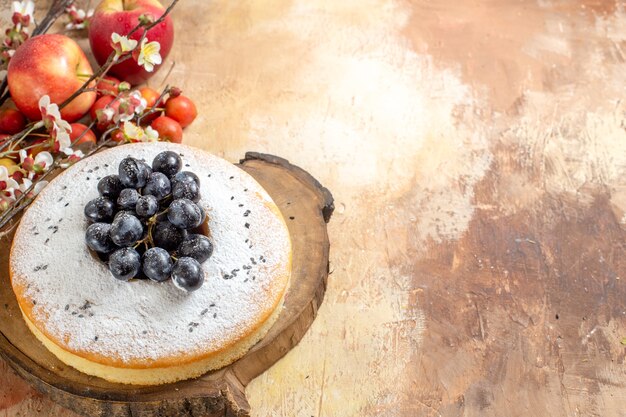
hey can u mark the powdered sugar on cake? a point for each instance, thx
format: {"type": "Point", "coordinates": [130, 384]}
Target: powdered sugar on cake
{"type": "Point", "coordinates": [85, 309]}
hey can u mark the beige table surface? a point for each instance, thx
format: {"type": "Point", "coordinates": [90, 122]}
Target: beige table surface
{"type": "Point", "coordinates": [476, 150]}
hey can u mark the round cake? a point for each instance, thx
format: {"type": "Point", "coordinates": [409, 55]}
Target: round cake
{"type": "Point", "coordinates": [145, 332]}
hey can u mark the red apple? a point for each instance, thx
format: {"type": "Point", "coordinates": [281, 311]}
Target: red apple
{"type": "Point", "coordinates": [117, 16]}
{"type": "Point", "coordinates": [11, 121]}
{"type": "Point", "coordinates": [54, 65]}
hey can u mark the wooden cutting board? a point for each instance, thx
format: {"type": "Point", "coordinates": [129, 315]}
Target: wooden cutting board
{"type": "Point", "coordinates": [306, 207]}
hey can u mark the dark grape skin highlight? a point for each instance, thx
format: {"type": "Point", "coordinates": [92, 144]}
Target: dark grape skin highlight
{"type": "Point", "coordinates": [144, 222]}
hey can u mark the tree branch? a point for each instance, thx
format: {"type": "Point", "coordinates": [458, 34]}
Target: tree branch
{"type": "Point", "coordinates": [56, 10]}
{"type": "Point", "coordinates": [111, 59]}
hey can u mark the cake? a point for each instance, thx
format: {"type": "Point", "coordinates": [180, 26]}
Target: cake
{"type": "Point", "coordinates": [144, 332]}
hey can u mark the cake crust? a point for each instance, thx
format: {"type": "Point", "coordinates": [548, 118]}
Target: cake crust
{"type": "Point", "coordinates": [73, 304]}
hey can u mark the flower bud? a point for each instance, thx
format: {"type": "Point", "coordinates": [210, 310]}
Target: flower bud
{"type": "Point", "coordinates": [16, 18]}
{"type": "Point", "coordinates": [146, 19]}
{"type": "Point", "coordinates": [123, 86]}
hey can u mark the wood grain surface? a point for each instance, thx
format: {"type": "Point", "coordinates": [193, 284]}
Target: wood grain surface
{"type": "Point", "coordinates": [477, 155]}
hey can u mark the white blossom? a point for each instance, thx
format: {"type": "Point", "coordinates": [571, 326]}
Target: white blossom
{"type": "Point", "coordinates": [135, 133]}
{"type": "Point", "coordinates": [42, 162]}
{"type": "Point", "coordinates": [138, 102]}
{"type": "Point", "coordinates": [58, 128]}
{"type": "Point", "coordinates": [73, 156]}
{"type": "Point", "coordinates": [44, 159]}
{"type": "Point", "coordinates": [27, 183]}
{"type": "Point", "coordinates": [107, 114]}
{"type": "Point", "coordinates": [149, 55]}
{"type": "Point", "coordinates": [71, 152]}
{"type": "Point", "coordinates": [25, 8]}
{"type": "Point", "coordinates": [79, 18]}
{"type": "Point", "coordinates": [151, 135]}
{"type": "Point", "coordinates": [39, 186]}
{"type": "Point", "coordinates": [122, 44]}
{"type": "Point", "coordinates": [52, 116]}
{"type": "Point", "coordinates": [62, 137]}
{"type": "Point", "coordinates": [132, 131]}
{"type": "Point", "coordinates": [7, 184]}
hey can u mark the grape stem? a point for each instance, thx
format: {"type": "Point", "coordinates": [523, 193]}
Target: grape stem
{"type": "Point", "coordinates": [149, 240]}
